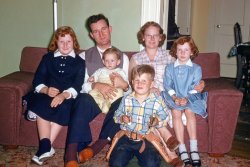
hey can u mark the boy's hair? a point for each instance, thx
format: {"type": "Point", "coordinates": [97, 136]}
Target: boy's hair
{"type": "Point", "coordinates": [141, 32]}
{"type": "Point", "coordinates": [112, 51]}
{"type": "Point", "coordinates": [181, 41]}
{"type": "Point", "coordinates": [95, 18]}
{"type": "Point", "coordinates": [142, 69]}
{"type": "Point", "coordinates": [61, 32]}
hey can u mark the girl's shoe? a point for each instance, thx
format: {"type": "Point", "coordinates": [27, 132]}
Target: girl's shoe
{"type": "Point", "coordinates": [187, 161]}
{"type": "Point", "coordinates": [36, 160]}
{"type": "Point", "coordinates": [47, 155]}
{"type": "Point", "coordinates": [195, 162]}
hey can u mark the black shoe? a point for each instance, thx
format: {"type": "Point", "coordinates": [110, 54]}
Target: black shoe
{"type": "Point", "coordinates": [187, 162]}
{"type": "Point", "coordinates": [195, 162]}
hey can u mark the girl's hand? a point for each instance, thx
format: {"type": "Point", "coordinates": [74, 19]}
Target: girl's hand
{"type": "Point", "coordinates": [183, 101]}
{"type": "Point", "coordinates": [91, 79]}
{"type": "Point", "coordinates": [177, 101]}
{"type": "Point", "coordinates": [52, 92]}
{"type": "Point", "coordinates": [58, 100]}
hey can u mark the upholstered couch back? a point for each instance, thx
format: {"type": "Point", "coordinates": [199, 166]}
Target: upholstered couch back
{"type": "Point", "coordinates": [210, 62]}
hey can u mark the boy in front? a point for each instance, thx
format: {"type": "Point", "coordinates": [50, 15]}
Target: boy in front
{"type": "Point", "coordinates": [137, 113]}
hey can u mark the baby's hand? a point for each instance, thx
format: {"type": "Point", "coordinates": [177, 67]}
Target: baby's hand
{"type": "Point", "coordinates": [91, 79]}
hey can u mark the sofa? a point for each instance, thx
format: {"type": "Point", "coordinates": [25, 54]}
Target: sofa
{"type": "Point", "coordinates": [215, 134]}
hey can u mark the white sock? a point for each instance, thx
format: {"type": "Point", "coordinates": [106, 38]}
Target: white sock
{"type": "Point", "coordinates": [182, 148]}
{"type": "Point", "coordinates": [194, 149]}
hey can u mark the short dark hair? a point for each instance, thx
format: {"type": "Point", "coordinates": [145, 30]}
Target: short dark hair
{"type": "Point", "coordinates": [142, 69]}
{"type": "Point", "coordinates": [95, 18]}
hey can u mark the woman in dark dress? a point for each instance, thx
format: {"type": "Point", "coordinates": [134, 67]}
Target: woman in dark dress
{"type": "Point", "coordinates": [56, 84]}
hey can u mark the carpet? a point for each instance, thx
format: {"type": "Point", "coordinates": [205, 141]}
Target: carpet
{"type": "Point", "coordinates": [21, 156]}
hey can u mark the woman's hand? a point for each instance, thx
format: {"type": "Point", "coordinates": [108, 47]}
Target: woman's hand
{"type": "Point", "coordinates": [155, 90]}
{"type": "Point", "coordinates": [200, 87]}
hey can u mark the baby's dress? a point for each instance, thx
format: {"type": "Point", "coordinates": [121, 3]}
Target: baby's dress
{"type": "Point", "coordinates": [102, 76]}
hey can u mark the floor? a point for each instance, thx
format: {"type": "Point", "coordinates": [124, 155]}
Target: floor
{"type": "Point", "coordinates": [239, 156]}
{"type": "Point", "coordinates": [241, 143]}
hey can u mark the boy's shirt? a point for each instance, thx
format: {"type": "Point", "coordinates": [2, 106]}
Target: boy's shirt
{"type": "Point", "coordinates": [141, 113]}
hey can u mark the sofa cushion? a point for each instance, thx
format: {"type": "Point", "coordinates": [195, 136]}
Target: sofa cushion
{"type": "Point", "coordinates": [30, 58]}
{"type": "Point", "coordinates": [210, 64]}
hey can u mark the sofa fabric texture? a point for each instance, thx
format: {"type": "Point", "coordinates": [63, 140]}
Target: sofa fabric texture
{"type": "Point", "coordinates": [215, 133]}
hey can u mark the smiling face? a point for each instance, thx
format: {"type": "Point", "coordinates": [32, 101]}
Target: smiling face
{"type": "Point", "coordinates": [111, 61]}
{"type": "Point", "coordinates": [142, 84]}
{"type": "Point", "coordinates": [152, 37]}
{"type": "Point", "coordinates": [183, 52]}
{"type": "Point", "coordinates": [65, 44]}
{"type": "Point", "coordinates": [101, 33]}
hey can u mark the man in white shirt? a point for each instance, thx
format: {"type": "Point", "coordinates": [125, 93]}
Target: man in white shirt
{"type": "Point", "coordinates": [85, 108]}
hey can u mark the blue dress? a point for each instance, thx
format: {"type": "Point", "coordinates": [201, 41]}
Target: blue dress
{"type": "Point", "coordinates": [182, 79]}
{"type": "Point", "coordinates": [62, 72]}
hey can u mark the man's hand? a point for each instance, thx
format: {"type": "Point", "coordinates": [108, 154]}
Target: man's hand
{"type": "Point", "coordinates": [200, 87]}
{"type": "Point", "coordinates": [108, 91]}
{"type": "Point", "coordinates": [118, 81]}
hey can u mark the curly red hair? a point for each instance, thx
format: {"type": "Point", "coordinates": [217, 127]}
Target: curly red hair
{"type": "Point", "coordinates": [181, 41]}
{"type": "Point", "coordinates": [61, 32]}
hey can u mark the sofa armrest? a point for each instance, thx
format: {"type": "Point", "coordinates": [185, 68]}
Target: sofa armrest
{"type": "Point", "coordinates": [12, 88]}
{"type": "Point", "coordinates": [224, 102]}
